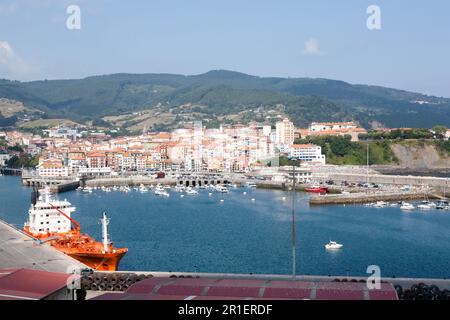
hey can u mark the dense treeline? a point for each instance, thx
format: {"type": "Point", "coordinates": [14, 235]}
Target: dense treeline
{"type": "Point", "coordinates": [416, 133]}
{"type": "Point", "coordinates": [23, 160]}
{"type": "Point", "coordinates": [341, 150]}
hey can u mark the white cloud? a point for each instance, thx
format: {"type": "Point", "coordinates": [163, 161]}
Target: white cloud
{"type": "Point", "coordinates": [312, 48]}
{"type": "Point", "coordinates": [11, 65]}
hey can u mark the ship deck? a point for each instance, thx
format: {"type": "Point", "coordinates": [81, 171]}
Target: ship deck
{"type": "Point", "coordinates": [18, 250]}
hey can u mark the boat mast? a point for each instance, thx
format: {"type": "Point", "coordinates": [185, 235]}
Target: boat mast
{"type": "Point", "coordinates": [367, 165]}
{"type": "Point", "coordinates": [105, 222]}
{"type": "Point", "coordinates": [294, 258]}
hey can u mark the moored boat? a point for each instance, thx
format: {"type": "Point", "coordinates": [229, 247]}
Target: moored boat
{"type": "Point", "coordinates": [333, 245]}
{"type": "Point", "coordinates": [407, 206]}
{"type": "Point", "coordinates": [316, 189]}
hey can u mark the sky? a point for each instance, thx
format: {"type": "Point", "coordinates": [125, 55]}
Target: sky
{"type": "Point", "coordinates": [287, 38]}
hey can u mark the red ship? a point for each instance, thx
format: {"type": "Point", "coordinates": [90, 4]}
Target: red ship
{"type": "Point", "coordinates": [49, 220]}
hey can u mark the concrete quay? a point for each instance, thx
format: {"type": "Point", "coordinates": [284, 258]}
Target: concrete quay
{"type": "Point", "coordinates": [360, 197]}
{"type": "Point", "coordinates": [435, 182]}
{"type": "Point", "coordinates": [19, 250]}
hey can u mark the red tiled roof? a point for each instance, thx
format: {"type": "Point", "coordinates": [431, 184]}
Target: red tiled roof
{"type": "Point", "coordinates": [165, 288]}
{"type": "Point", "coordinates": [300, 146]}
{"type": "Point", "coordinates": [26, 284]}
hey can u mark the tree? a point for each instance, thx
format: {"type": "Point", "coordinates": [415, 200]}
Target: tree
{"type": "Point", "coordinates": [440, 130]}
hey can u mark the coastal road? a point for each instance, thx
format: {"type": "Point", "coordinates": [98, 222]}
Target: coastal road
{"type": "Point", "coordinates": [18, 250]}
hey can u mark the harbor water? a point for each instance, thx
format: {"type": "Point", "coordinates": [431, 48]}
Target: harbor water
{"type": "Point", "coordinates": [200, 233]}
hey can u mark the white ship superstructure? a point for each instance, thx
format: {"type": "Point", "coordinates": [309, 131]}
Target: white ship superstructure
{"type": "Point", "coordinates": [44, 217]}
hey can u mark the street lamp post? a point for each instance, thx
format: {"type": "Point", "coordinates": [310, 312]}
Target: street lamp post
{"type": "Point", "coordinates": [293, 221]}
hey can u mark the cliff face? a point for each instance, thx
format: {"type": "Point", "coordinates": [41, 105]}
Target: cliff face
{"type": "Point", "coordinates": [420, 155]}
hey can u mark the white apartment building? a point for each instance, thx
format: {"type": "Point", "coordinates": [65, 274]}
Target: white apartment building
{"type": "Point", "coordinates": [307, 153]}
{"type": "Point", "coordinates": [52, 168]}
{"type": "Point", "coordinates": [284, 132]}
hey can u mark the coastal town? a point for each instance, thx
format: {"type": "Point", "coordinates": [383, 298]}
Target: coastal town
{"type": "Point", "coordinates": [65, 151]}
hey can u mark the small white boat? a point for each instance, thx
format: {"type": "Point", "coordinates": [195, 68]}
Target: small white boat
{"type": "Point", "coordinates": [143, 188]}
{"type": "Point", "coordinates": [380, 204]}
{"type": "Point", "coordinates": [221, 189]}
{"type": "Point", "coordinates": [160, 192]}
{"type": "Point", "coordinates": [87, 189]}
{"type": "Point", "coordinates": [191, 191]}
{"type": "Point", "coordinates": [333, 245]}
{"type": "Point", "coordinates": [407, 206]}
{"type": "Point", "coordinates": [442, 205]}
{"type": "Point", "coordinates": [424, 205]}
{"type": "Point", "coordinates": [179, 188]}
{"type": "Point", "coordinates": [393, 204]}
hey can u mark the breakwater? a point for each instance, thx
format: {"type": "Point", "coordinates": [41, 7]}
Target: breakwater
{"type": "Point", "coordinates": [361, 197]}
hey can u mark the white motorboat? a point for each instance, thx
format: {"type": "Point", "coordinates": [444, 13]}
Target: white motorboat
{"type": "Point", "coordinates": [424, 205]}
{"type": "Point", "coordinates": [333, 245]}
{"type": "Point", "coordinates": [394, 204]}
{"type": "Point", "coordinates": [87, 189]}
{"type": "Point", "coordinates": [161, 192]}
{"type": "Point", "coordinates": [442, 205]}
{"type": "Point", "coordinates": [179, 188]}
{"type": "Point", "coordinates": [407, 206]}
{"type": "Point", "coordinates": [142, 188]}
{"type": "Point", "coordinates": [380, 204]}
{"type": "Point", "coordinates": [191, 191]}
{"type": "Point", "coordinates": [221, 189]}
{"type": "Point", "coordinates": [250, 185]}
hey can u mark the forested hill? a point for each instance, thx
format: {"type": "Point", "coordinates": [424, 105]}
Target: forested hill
{"type": "Point", "coordinates": [218, 93]}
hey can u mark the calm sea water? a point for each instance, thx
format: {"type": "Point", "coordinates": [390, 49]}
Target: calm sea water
{"type": "Point", "coordinates": [199, 233]}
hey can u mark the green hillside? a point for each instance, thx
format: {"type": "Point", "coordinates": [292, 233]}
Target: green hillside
{"type": "Point", "coordinates": [226, 92]}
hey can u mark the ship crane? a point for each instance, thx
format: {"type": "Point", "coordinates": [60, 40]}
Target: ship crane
{"type": "Point", "coordinates": [77, 225]}
{"type": "Point", "coordinates": [105, 238]}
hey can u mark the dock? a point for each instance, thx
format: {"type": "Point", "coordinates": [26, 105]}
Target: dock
{"type": "Point", "coordinates": [361, 197]}
{"type": "Point", "coordinates": [19, 250]}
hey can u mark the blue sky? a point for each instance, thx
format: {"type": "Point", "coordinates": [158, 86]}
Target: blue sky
{"type": "Point", "coordinates": [265, 38]}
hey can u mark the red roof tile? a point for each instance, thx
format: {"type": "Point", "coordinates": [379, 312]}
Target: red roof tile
{"type": "Point", "coordinates": [29, 284]}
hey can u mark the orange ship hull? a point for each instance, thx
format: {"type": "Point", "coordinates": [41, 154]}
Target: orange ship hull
{"type": "Point", "coordinates": [100, 261]}
{"type": "Point", "coordinates": [85, 249]}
